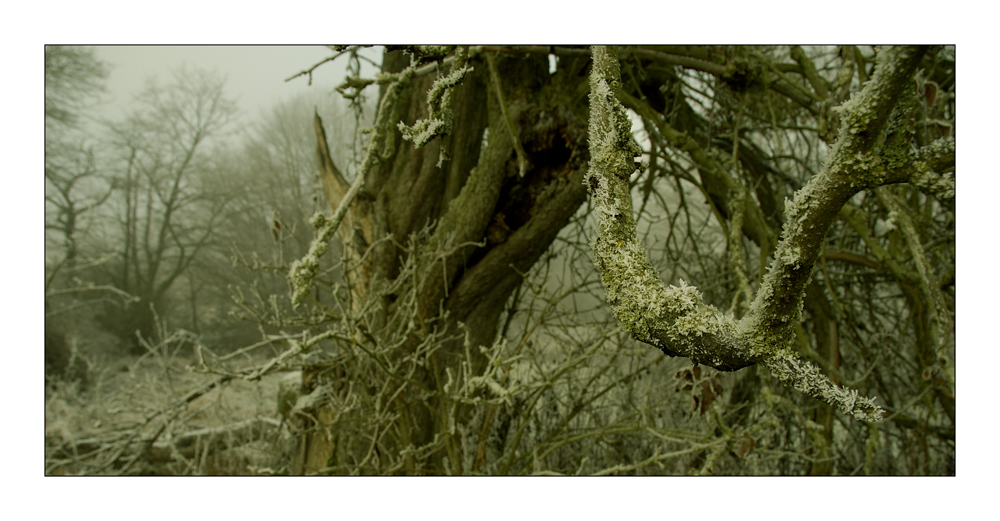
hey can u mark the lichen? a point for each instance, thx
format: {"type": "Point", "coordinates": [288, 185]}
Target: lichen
{"type": "Point", "coordinates": [612, 146]}
{"type": "Point", "coordinates": [422, 131]}
{"type": "Point", "coordinates": [926, 178]}
{"type": "Point", "coordinates": [675, 319]}
{"type": "Point", "coordinates": [439, 120]}
{"type": "Point", "coordinates": [318, 220]}
{"type": "Point", "coordinates": [808, 379]}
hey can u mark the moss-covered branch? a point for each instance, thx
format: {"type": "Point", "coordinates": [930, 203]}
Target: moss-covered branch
{"type": "Point", "coordinates": [675, 319]}
{"type": "Point", "coordinates": [932, 171]}
{"type": "Point", "coordinates": [819, 84]}
{"type": "Point", "coordinates": [439, 96]}
{"type": "Point", "coordinates": [855, 163]}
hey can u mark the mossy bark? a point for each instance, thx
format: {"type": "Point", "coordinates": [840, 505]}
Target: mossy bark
{"type": "Point", "coordinates": [494, 223]}
{"type": "Point", "coordinates": [675, 319]}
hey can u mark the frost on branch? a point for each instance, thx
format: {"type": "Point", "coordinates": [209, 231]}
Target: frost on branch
{"type": "Point", "coordinates": [304, 270]}
{"type": "Point", "coordinates": [439, 96]}
{"type": "Point", "coordinates": [807, 378]}
{"type": "Point", "coordinates": [675, 319]}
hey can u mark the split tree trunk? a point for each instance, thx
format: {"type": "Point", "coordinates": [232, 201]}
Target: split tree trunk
{"type": "Point", "coordinates": [476, 196]}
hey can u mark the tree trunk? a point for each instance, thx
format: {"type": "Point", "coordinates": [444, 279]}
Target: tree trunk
{"type": "Point", "coordinates": [494, 224]}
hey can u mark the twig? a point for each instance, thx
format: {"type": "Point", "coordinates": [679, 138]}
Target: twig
{"type": "Point", "coordinates": [522, 157]}
{"type": "Point", "coordinates": [310, 70]}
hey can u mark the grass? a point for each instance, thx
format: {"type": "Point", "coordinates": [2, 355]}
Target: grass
{"type": "Point", "coordinates": [132, 418]}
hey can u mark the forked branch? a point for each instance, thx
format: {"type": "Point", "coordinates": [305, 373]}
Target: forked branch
{"type": "Point", "coordinates": [675, 319]}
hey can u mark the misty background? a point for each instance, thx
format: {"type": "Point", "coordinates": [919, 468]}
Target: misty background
{"type": "Point", "coordinates": [155, 153]}
{"type": "Point", "coordinates": [255, 79]}
{"type": "Point", "coordinates": [255, 75]}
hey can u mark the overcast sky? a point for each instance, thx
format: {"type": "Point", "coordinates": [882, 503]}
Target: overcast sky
{"type": "Point", "coordinates": [255, 74]}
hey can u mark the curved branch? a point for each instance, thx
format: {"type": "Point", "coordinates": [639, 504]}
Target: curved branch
{"type": "Point", "coordinates": [854, 164]}
{"type": "Point", "coordinates": [672, 319]}
{"type": "Point", "coordinates": [675, 319]}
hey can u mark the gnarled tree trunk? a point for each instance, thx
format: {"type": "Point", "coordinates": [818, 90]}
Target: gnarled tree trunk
{"type": "Point", "coordinates": [486, 223]}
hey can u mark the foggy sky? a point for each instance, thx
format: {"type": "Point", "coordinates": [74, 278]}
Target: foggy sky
{"type": "Point", "coordinates": [255, 75]}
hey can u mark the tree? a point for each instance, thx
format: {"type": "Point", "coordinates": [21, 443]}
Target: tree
{"type": "Point", "coordinates": [74, 80]}
{"type": "Point", "coordinates": [273, 175]}
{"type": "Point", "coordinates": [167, 212]}
{"type": "Point", "coordinates": [870, 152]}
{"type": "Point", "coordinates": [491, 226]}
{"type": "Point", "coordinates": [479, 159]}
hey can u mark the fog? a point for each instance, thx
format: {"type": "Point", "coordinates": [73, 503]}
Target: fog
{"type": "Point", "coordinates": [255, 74]}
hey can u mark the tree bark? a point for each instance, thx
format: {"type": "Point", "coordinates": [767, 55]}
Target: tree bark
{"type": "Point", "coordinates": [494, 224]}
{"type": "Point", "coordinates": [674, 319]}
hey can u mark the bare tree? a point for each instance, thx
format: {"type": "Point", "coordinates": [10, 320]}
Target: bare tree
{"type": "Point", "coordinates": [74, 80]}
{"type": "Point", "coordinates": [167, 212]}
{"type": "Point", "coordinates": [74, 188]}
{"type": "Point", "coordinates": [273, 176]}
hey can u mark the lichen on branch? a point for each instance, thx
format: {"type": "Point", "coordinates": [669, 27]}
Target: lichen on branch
{"type": "Point", "coordinates": [439, 121]}
{"type": "Point", "coordinates": [792, 371]}
{"type": "Point", "coordinates": [675, 319]}
{"type": "Point", "coordinates": [931, 170]}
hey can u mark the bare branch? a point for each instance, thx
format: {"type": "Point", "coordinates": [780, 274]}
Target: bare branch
{"type": "Point", "coordinates": [308, 72]}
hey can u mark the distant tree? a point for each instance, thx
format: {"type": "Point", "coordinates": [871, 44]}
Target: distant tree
{"type": "Point", "coordinates": [277, 166]}
{"type": "Point", "coordinates": [74, 80]}
{"type": "Point", "coordinates": [272, 174]}
{"type": "Point", "coordinates": [167, 212]}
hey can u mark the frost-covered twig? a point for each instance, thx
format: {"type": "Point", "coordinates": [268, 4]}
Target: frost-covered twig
{"type": "Point", "coordinates": [439, 96]}
{"type": "Point", "coordinates": [807, 378]}
{"type": "Point", "coordinates": [84, 287]}
{"type": "Point", "coordinates": [308, 72]}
